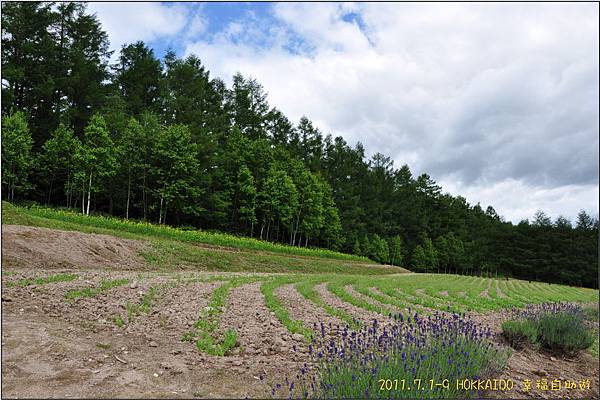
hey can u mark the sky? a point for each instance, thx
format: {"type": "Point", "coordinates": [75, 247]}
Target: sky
{"type": "Point", "coordinates": [497, 102]}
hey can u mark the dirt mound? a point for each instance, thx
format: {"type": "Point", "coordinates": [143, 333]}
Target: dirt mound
{"type": "Point", "coordinates": [27, 246]}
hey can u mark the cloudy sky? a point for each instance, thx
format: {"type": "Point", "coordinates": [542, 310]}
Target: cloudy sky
{"type": "Point", "coordinates": [497, 102]}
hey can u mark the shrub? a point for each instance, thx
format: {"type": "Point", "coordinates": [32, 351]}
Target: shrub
{"type": "Point", "coordinates": [559, 327]}
{"type": "Point", "coordinates": [563, 332]}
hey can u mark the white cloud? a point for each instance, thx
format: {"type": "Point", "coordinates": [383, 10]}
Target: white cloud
{"type": "Point", "coordinates": [489, 99]}
{"type": "Point", "coordinates": [516, 201]}
{"type": "Point", "coordinates": [128, 22]}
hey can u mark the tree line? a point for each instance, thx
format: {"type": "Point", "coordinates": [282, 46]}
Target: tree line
{"type": "Point", "coordinates": [161, 140]}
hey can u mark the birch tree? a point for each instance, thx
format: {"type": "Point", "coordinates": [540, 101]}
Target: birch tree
{"type": "Point", "coordinates": [95, 160]}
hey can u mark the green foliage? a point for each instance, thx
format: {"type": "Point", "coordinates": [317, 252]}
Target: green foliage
{"type": "Point", "coordinates": [246, 190]}
{"type": "Point", "coordinates": [380, 250]}
{"type": "Point", "coordinates": [564, 333]}
{"type": "Point", "coordinates": [396, 250]}
{"type": "Point", "coordinates": [175, 171]}
{"type": "Point", "coordinates": [518, 332]}
{"type": "Point", "coordinates": [56, 162]}
{"type": "Point", "coordinates": [356, 249]}
{"type": "Point", "coordinates": [425, 257]}
{"type": "Point", "coordinates": [17, 159]}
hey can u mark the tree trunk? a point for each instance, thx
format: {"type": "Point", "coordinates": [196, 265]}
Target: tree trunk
{"type": "Point", "coordinates": [144, 193]}
{"type": "Point", "coordinates": [69, 189]}
{"type": "Point", "coordinates": [87, 212]}
{"type": "Point", "coordinates": [161, 208]}
{"type": "Point", "coordinates": [128, 195]}
{"type": "Point", "coordinates": [50, 190]}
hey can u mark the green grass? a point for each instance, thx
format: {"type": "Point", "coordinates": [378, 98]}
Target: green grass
{"type": "Point", "coordinates": [169, 249]}
{"type": "Point", "coordinates": [93, 291]}
{"type": "Point", "coordinates": [62, 219]}
{"type": "Point", "coordinates": [42, 281]}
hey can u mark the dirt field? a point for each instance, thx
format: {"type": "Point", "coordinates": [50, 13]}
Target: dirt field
{"type": "Point", "coordinates": [56, 347]}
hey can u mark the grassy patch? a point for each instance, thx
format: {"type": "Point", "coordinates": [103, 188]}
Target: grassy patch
{"type": "Point", "coordinates": [93, 291]}
{"type": "Point", "coordinates": [63, 219]}
{"type": "Point", "coordinates": [42, 281]}
{"type": "Point", "coordinates": [119, 321]}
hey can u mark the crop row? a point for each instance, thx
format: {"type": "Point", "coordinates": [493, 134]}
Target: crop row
{"type": "Point", "coordinates": [421, 292]}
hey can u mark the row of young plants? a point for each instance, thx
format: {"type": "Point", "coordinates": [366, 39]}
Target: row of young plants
{"type": "Point", "coordinates": [203, 331]}
{"type": "Point", "coordinates": [41, 280]}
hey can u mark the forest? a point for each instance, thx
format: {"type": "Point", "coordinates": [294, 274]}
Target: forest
{"type": "Point", "coordinates": [162, 140]}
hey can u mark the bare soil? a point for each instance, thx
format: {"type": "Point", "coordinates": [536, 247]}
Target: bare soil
{"type": "Point", "coordinates": [301, 309]}
{"type": "Point", "coordinates": [50, 248]}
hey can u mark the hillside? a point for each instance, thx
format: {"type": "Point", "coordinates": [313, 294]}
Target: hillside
{"type": "Point", "coordinates": [155, 247]}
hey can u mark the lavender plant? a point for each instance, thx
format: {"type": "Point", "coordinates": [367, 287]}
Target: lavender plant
{"type": "Point", "coordinates": [559, 327]}
{"type": "Point", "coordinates": [420, 357]}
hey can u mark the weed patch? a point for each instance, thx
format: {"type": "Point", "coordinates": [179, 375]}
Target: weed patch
{"type": "Point", "coordinates": [93, 291]}
{"type": "Point", "coordinates": [42, 281]}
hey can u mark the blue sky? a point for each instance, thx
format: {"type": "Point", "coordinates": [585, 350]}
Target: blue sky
{"type": "Point", "coordinates": [497, 102]}
{"type": "Point", "coordinates": [217, 17]}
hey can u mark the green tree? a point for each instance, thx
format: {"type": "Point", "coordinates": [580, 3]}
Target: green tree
{"type": "Point", "coordinates": [395, 246]}
{"type": "Point", "coordinates": [95, 161]}
{"type": "Point", "coordinates": [381, 251]}
{"type": "Point", "coordinates": [17, 158]}
{"type": "Point", "coordinates": [130, 143]}
{"type": "Point", "coordinates": [175, 172]}
{"type": "Point", "coordinates": [584, 221]}
{"type": "Point", "coordinates": [246, 191]}
{"type": "Point", "coordinates": [57, 160]}
{"type": "Point", "coordinates": [356, 248]}
{"type": "Point", "coordinates": [138, 76]}
{"type": "Point", "coordinates": [425, 257]}
{"type": "Point", "coordinates": [278, 200]}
